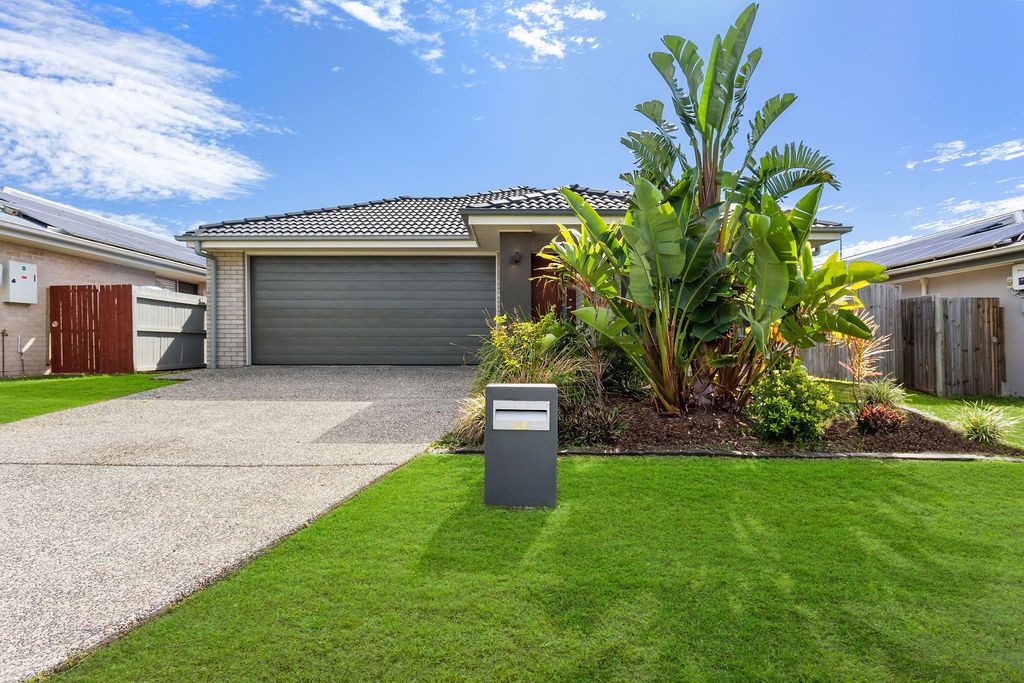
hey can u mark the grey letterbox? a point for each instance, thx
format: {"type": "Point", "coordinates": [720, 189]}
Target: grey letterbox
{"type": "Point", "coordinates": [521, 445]}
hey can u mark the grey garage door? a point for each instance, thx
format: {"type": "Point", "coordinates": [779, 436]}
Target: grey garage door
{"type": "Point", "coordinates": [355, 310]}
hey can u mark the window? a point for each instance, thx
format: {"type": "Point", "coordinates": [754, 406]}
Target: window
{"type": "Point", "coordinates": [188, 288]}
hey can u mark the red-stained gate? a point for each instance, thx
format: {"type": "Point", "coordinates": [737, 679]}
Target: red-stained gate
{"type": "Point", "coordinates": [91, 329]}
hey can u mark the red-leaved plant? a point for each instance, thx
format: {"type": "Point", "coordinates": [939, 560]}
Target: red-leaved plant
{"type": "Point", "coordinates": [872, 419]}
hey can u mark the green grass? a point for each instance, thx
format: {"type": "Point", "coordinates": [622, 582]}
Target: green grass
{"type": "Point", "coordinates": [946, 409]}
{"type": "Point", "coordinates": [650, 569]}
{"type": "Point", "coordinates": [21, 398]}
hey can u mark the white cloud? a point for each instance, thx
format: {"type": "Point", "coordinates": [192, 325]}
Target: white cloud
{"type": "Point", "coordinates": [539, 40]}
{"type": "Point", "coordinates": [585, 12]}
{"type": "Point", "coordinates": [864, 246]}
{"type": "Point", "coordinates": [1004, 151]}
{"type": "Point", "coordinates": [542, 26]}
{"type": "Point", "coordinates": [547, 28]}
{"type": "Point", "coordinates": [388, 16]}
{"type": "Point", "coordinates": [113, 114]}
{"type": "Point", "coordinates": [945, 152]}
{"type": "Point", "coordinates": [957, 150]}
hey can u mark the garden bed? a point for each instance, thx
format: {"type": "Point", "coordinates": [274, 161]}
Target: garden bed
{"type": "Point", "coordinates": [706, 430]}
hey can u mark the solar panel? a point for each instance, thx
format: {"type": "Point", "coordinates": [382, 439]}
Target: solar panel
{"type": "Point", "coordinates": [959, 240]}
{"type": "Point", "coordinates": [91, 227]}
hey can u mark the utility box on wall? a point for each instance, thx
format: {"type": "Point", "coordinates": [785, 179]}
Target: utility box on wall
{"type": "Point", "coordinates": [20, 283]}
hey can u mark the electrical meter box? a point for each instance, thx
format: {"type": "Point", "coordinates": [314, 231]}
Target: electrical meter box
{"type": "Point", "coordinates": [20, 286]}
{"type": "Point", "coordinates": [1017, 277]}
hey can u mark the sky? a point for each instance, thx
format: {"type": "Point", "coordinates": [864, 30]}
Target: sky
{"type": "Point", "coordinates": [171, 113]}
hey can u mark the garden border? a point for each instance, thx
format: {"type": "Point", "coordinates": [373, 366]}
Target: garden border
{"type": "Point", "coordinates": [753, 455]}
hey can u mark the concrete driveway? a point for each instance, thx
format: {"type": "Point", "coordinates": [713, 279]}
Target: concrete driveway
{"type": "Point", "coordinates": [111, 512]}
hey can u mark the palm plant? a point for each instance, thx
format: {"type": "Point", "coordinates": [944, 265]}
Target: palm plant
{"type": "Point", "coordinates": [708, 105]}
{"type": "Point", "coordinates": [659, 289]}
{"type": "Point", "coordinates": [708, 282]}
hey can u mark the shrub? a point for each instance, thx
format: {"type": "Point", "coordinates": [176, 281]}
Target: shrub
{"type": "Point", "coordinates": [874, 418]}
{"type": "Point", "coordinates": [539, 352]}
{"type": "Point", "coordinates": [884, 392]}
{"type": "Point", "coordinates": [985, 424]}
{"type": "Point", "coordinates": [469, 425]}
{"type": "Point", "coordinates": [789, 406]}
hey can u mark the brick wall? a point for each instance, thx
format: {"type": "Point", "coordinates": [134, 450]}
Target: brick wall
{"type": "Point", "coordinates": [231, 307]}
{"type": "Point", "coordinates": [31, 321]}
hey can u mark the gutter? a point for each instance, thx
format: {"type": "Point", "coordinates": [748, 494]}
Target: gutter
{"type": "Point", "coordinates": [953, 260]}
{"type": "Point", "coordinates": [211, 297]}
{"type": "Point", "coordinates": [110, 253]}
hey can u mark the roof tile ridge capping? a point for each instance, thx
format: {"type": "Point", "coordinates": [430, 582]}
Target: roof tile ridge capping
{"type": "Point", "coordinates": [359, 205]}
{"type": "Point", "coordinates": [622, 194]}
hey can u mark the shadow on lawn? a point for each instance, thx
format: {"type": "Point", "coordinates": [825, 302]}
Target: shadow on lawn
{"type": "Point", "coordinates": [481, 540]}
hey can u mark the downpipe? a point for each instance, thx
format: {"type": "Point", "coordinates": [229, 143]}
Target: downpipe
{"type": "Point", "coordinates": [211, 302]}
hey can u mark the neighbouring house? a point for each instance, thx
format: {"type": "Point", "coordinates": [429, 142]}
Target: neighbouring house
{"type": "Point", "coordinates": [409, 280]}
{"type": "Point", "coordinates": [984, 258]}
{"type": "Point", "coordinates": [45, 244]}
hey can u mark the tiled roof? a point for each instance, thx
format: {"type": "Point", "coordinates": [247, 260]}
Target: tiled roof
{"type": "Point", "coordinates": [978, 236]}
{"type": "Point", "coordinates": [413, 217]}
{"type": "Point", "coordinates": [551, 201]}
{"type": "Point", "coordinates": [416, 217]}
{"type": "Point", "coordinates": [50, 215]}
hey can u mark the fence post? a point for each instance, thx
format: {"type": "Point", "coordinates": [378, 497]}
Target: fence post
{"type": "Point", "coordinates": [940, 347]}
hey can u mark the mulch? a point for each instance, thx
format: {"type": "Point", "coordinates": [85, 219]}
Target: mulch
{"type": "Point", "coordinates": [712, 430]}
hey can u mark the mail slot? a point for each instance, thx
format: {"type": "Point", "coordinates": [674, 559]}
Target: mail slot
{"type": "Point", "coordinates": [534, 416]}
{"type": "Point", "coordinates": [521, 445]}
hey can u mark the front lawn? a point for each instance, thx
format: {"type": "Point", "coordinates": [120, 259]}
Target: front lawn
{"type": "Point", "coordinates": [21, 398]}
{"type": "Point", "coordinates": [947, 409]}
{"type": "Point", "coordinates": [649, 569]}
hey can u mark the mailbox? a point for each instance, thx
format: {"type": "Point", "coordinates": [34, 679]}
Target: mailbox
{"type": "Point", "coordinates": [521, 445]}
{"type": "Point", "coordinates": [531, 416]}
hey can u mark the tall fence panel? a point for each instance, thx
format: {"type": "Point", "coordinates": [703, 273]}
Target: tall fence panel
{"type": "Point", "coordinates": [170, 330]}
{"type": "Point", "coordinates": [942, 346]}
{"type": "Point", "coordinates": [91, 328]}
{"type": "Point", "coordinates": [919, 350]}
{"type": "Point", "coordinates": [883, 303]}
{"type": "Point", "coordinates": [973, 357]}
{"type": "Point", "coordinates": [121, 328]}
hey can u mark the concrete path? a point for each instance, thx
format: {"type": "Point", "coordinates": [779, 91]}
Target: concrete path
{"type": "Point", "coordinates": [111, 512]}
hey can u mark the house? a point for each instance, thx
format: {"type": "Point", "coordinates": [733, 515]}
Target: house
{"type": "Point", "coordinates": [984, 258]}
{"type": "Point", "coordinates": [408, 280]}
{"type": "Point", "coordinates": [45, 243]}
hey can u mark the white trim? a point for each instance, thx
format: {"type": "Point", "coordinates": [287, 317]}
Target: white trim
{"type": "Point", "coordinates": [98, 251]}
{"type": "Point", "coordinates": [247, 309]}
{"type": "Point", "coordinates": [534, 219]}
{"type": "Point", "coordinates": [358, 245]}
{"type": "Point", "coordinates": [356, 252]}
{"type": "Point", "coordinates": [825, 236]}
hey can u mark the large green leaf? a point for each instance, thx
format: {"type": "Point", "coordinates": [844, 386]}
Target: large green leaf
{"type": "Point", "coordinates": [801, 218]}
{"type": "Point", "coordinates": [728, 63]}
{"type": "Point", "coordinates": [740, 99]}
{"type": "Point", "coordinates": [585, 212]}
{"type": "Point", "coordinates": [690, 63]}
{"type": "Point", "coordinates": [770, 111]}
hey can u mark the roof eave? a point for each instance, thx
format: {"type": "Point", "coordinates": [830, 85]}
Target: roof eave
{"type": "Point", "coordinates": [533, 212]}
{"type": "Point", "coordinates": [249, 237]}
{"type": "Point", "coordinates": [950, 259]}
{"type": "Point", "coordinates": [97, 250]}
